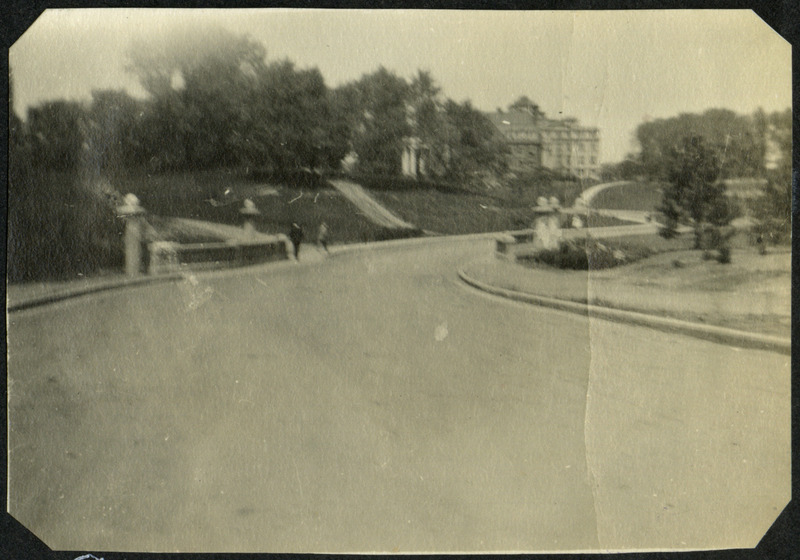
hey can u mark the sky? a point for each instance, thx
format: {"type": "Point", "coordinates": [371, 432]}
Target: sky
{"type": "Point", "coordinates": [611, 70]}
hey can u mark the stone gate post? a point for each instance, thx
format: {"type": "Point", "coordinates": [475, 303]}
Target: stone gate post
{"type": "Point", "coordinates": [133, 213]}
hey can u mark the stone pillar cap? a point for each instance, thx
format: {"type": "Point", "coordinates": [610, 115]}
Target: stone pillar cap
{"type": "Point", "coordinates": [249, 208]}
{"type": "Point", "coordinates": [131, 206]}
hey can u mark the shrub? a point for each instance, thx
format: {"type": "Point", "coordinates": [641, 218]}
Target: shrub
{"type": "Point", "coordinates": [589, 254]}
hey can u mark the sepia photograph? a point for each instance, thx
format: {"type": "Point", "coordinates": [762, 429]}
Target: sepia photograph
{"type": "Point", "coordinates": [398, 281]}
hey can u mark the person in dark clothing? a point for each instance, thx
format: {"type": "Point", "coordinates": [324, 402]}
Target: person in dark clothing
{"type": "Point", "coordinates": [296, 237]}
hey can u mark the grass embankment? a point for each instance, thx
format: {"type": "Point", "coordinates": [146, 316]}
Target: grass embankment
{"type": "Point", "coordinates": [217, 196]}
{"type": "Point", "coordinates": [449, 211]}
{"type": "Point", "coordinates": [752, 293]}
{"type": "Point", "coordinates": [642, 196]}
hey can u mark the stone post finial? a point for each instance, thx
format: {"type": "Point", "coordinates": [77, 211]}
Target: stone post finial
{"type": "Point", "coordinates": [248, 212]}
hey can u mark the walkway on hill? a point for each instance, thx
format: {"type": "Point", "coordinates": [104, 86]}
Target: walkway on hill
{"type": "Point", "coordinates": [592, 192]}
{"type": "Point", "coordinates": [369, 206]}
{"type": "Point", "coordinates": [584, 201]}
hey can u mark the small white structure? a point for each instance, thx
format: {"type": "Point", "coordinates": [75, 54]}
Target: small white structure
{"type": "Point", "coordinates": [413, 159]}
{"type": "Point", "coordinates": [547, 223]}
{"type": "Point", "coordinates": [248, 212]}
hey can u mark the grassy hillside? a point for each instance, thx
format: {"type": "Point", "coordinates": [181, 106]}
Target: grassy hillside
{"type": "Point", "coordinates": [633, 196]}
{"type": "Point", "coordinates": [453, 213]}
{"type": "Point", "coordinates": [217, 196]}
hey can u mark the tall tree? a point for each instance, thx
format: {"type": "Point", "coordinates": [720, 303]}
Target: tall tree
{"type": "Point", "coordinates": [112, 131]}
{"type": "Point", "coordinates": [378, 108]}
{"type": "Point", "coordinates": [524, 103]}
{"type": "Point", "coordinates": [427, 119]}
{"type": "Point", "coordinates": [773, 210]}
{"type": "Point", "coordinates": [734, 139]}
{"type": "Point", "coordinates": [198, 83]}
{"type": "Point", "coordinates": [290, 121]}
{"type": "Point", "coordinates": [475, 150]}
{"type": "Point", "coordinates": [57, 133]}
{"type": "Point", "coordinates": [695, 194]}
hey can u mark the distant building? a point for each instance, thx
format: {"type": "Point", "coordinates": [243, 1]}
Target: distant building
{"type": "Point", "coordinates": [559, 145]}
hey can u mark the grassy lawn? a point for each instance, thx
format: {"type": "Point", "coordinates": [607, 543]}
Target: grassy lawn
{"type": "Point", "coordinates": [464, 213]}
{"type": "Point", "coordinates": [217, 197]}
{"type": "Point", "coordinates": [454, 214]}
{"type": "Point", "coordinates": [636, 196]}
{"type": "Point", "coordinates": [752, 293]}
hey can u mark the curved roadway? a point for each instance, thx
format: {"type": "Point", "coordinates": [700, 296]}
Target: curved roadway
{"type": "Point", "coordinates": [371, 402]}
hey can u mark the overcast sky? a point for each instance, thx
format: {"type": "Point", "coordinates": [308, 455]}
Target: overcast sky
{"type": "Point", "coordinates": [609, 69]}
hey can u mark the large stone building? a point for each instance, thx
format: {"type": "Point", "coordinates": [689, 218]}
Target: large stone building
{"type": "Point", "coordinates": [559, 145]}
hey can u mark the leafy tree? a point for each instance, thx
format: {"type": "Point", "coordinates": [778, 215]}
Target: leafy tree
{"type": "Point", "coordinates": [293, 122]}
{"type": "Point", "coordinates": [459, 143]}
{"type": "Point", "coordinates": [773, 210]}
{"type": "Point", "coordinates": [16, 134]}
{"type": "Point", "coordinates": [377, 106]}
{"type": "Point", "coordinates": [56, 131]}
{"type": "Point", "coordinates": [526, 105]}
{"type": "Point", "coordinates": [216, 102]}
{"type": "Point", "coordinates": [695, 195]}
{"type": "Point", "coordinates": [476, 152]}
{"type": "Point", "coordinates": [625, 170]}
{"type": "Point", "coordinates": [735, 140]}
{"type": "Point", "coordinates": [427, 121]}
{"type": "Point", "coordinates": [112, 131]}
{"type": "Point", "coordinates": [56, 225]}
{"type": "Point", "coordinates": [198, 85]}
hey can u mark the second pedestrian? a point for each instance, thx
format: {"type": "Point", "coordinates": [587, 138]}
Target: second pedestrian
{"type": "Point", "coordinates": [296, 237]}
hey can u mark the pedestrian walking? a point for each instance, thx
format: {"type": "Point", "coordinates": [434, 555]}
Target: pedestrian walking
{"type": "Point", "coordinates": [322, 236]}
{"type": "Point", "coordinates": [296, 237]}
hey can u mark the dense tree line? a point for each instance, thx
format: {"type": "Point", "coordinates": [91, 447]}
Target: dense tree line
{"type": "Point", "coordinates": [56, 226]}
{"type": "Point", "coordinates": [216, 101]}
{"type": "Point", "coordinates": [695, 195]}
{"type": "Point", "coordinates": [739, 142]}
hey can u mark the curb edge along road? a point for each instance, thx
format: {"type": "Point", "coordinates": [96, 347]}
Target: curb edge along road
{"type": "Point", "coordinates": [707, 332]}
{"type": "Point", "coordinates": [715, 334]}
{"type": "Point", "coordinates": [55, 297]}
{"type": "Point", "coordinates": [79, 291]}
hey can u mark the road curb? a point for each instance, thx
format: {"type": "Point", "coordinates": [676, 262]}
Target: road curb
{"type": "Point", "coordinates": [711, 333]}
{"type": "Point", "coordinates": [55, 297]}
{"type": "Point", "coordinates": [79, 291]}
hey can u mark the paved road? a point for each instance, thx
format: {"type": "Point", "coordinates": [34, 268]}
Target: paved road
{"type": "Point", "coordinates": [370, 402]}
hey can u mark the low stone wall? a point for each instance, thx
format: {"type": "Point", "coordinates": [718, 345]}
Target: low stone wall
{"type": "Point", "coordinates": [508, 242]}
{"type": "Point", "coordinates": [515, 245]}
{"type": "Point", "coordinates": [167, 256]}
